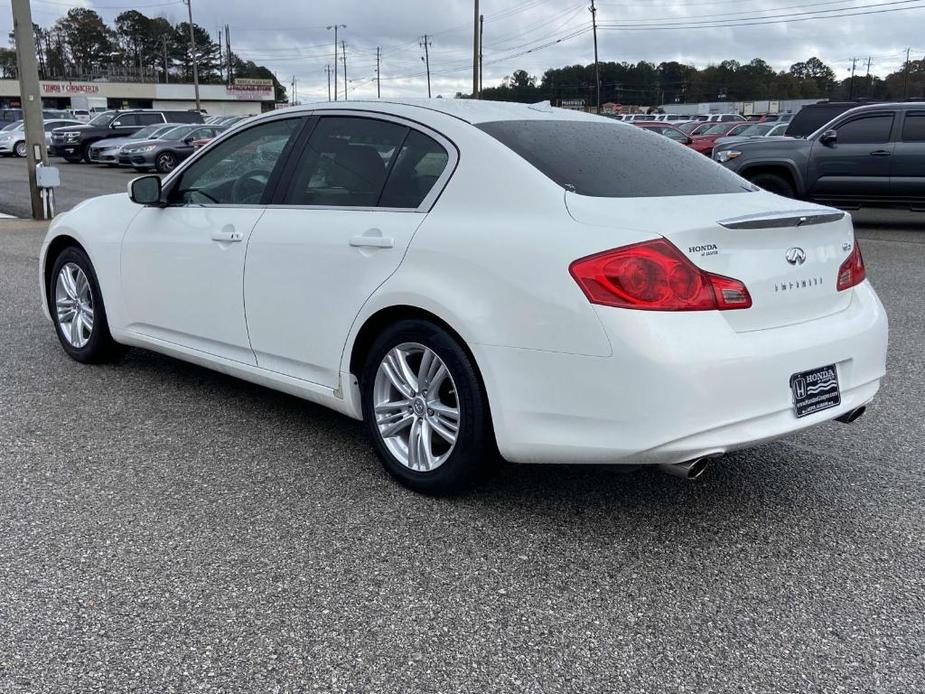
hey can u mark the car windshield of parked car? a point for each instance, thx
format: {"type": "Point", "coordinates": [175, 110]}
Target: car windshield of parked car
{"type": "Point", "coordinates": [177, 133]}
{"type": "Point", "coordinates": [718, 129]}
{"type": "Point", "coordinates": [11, 126]}
{"type": "Point", "coordinates": [146, 133]}
{"type": "Point", "coordinates": [612, 160]}
{"type": "Point", "coordinates": [103, 119]}
{"type": "Point", "coordinates": [689, 126]}
{"type": "Point", "coordinates": [757, 129]}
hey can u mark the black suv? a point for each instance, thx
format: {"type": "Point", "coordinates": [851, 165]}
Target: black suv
{"type": "Point", "coordinates": [869, 155]}
{"type": "Point", "coordinates": [73, 143]}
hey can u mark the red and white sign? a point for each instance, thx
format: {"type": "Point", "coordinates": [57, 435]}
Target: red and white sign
{"type": "Point", "coordinates": [68, 88]}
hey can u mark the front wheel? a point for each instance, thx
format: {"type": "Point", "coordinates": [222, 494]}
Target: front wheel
{"type": "Point", "coordinates": [774, 183]}
{"type": "Point", "coordinates": [20, 150]}
{"type": "Point", "coordinates": [425, 409]}
{"type": "Point", "coordinates": [78, 311]}
{"type": "Point", "coordinates": [166, 162]}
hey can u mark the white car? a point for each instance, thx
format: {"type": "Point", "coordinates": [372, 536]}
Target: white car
{"type": "Point", "coordinates": [13, 136]}
{"type": "Point", "coordinates": [466, 276]}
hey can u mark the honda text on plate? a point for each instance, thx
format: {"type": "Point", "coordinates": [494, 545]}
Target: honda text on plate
{"type": "Point", "coordinates": [471, 278]}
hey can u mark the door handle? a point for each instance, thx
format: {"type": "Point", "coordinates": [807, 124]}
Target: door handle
{"type": "Point", "coordinates": [227, 235]}
{"type": "Point", "coordinates": [369, 241]}
{"type": "Point", "coordinates": [881, 153]}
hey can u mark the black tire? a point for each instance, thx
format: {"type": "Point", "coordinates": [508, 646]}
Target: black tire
{"type": "Point", "coordinates": [141, 169]}
{"type": "Point", "coordinates": [165, 162]}
{"type": "Point", "coordinates": [774, 183]}
{"type": "Point", "coordinates": [474, 450]}
{"type": "Point", "coordinates": [72, 159]}
{"type": "Point", "coordinates": [100, 347]}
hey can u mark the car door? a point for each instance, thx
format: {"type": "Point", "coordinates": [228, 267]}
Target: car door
{"type": "Point", "coordinates": [183, 264]}
{"type": "Point", "coordinates": [857, 163]}
{"type": "Point", "coordinates": [359, 188]}
{"type": "Point", "coordinates": [907, 176]}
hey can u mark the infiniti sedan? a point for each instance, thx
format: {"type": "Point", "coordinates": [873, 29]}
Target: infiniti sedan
{"type": "Point", "coordinates": [474, 278]}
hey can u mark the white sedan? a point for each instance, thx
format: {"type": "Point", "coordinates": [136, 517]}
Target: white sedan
{"type": "Point", "coordinates": [472, 277]}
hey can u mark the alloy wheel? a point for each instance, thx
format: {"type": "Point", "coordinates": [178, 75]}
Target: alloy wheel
{"type": "Point", "coordinates": [416, 407]}
{"type": "Point", "coordinates": [74, 305]}
{"type": "Point", "coordinates": [21, 149]}
{"type": "Point", "coordinates": [166, 162]}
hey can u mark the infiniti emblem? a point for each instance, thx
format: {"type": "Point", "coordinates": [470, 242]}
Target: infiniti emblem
{"type": "Point", "coordinates": [796, 256]}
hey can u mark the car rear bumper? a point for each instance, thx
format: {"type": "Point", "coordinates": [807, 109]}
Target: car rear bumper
{"type": "Point", "coordinates": [679, 386]}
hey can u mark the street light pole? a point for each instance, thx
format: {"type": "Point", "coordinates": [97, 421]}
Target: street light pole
{"type": "Point", "coordinates": [31, 98]}
{"type": "Point", "coordinates": [597, 65]}
{"type": "Point", "coordinates": [192, 47]}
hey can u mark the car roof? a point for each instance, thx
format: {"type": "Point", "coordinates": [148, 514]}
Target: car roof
{"type": "Point", "coordinates": [467, 110]}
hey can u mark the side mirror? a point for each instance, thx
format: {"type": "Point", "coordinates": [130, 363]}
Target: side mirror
{"type": "Point", "coordinates": [187, 140]}
{"type": "Point", "coordinates": [145, 190]}
{"type": "Point", "coordinates": [829, 137]}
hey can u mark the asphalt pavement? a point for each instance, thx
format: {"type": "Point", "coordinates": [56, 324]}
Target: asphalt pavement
{"type": "Point", "coordinates": [164, 528]}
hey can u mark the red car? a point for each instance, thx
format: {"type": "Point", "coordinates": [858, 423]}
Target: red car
{"type": "Point", "coordinates": [703, 139]}
{"type": "Point", "coordinates": [665, 129]}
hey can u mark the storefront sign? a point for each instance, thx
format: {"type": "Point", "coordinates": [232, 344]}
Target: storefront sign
{"type": "Point", "coordinates": [68, 88]}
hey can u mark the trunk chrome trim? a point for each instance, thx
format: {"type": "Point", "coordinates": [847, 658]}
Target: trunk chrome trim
{"type": "Point", "coordinates": [790, 218]}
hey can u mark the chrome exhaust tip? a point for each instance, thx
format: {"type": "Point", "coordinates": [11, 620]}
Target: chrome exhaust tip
{"type": "Point", "coordinates": [853, 416]}
{"type": "Point", "coordinates": [689, 470]}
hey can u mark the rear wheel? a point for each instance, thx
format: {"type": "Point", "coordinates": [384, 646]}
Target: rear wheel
{"type": "Point", "coordinates": [425, 409]}
{"type": "Point", "coordinates": [77, 309]}
{"type": "Point", "coordinates": [774, 183]}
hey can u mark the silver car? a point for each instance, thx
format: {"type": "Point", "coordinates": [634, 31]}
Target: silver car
{"type": "Point", "coordinates": [13, 137]}
{"type": "Point", "coordinates": [107, 151]}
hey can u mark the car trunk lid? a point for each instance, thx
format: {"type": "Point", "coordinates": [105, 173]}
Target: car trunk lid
{"type": "Point", "coordinates": [786, 252]}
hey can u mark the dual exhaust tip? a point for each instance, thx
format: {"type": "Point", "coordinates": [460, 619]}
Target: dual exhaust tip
{"type": "Point", "coordinates": [693, 469]}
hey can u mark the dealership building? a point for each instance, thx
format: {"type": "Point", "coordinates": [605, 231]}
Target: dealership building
{"type": "Point", "coordinates": [242, 97]}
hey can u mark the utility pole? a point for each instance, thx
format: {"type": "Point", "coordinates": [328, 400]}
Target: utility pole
{"type": "Point", "coordinates": [867, 81]}
{"type": "Point", "coordinates": [192, 48]}
{"type": "Point", "coordinates": [166, 63]}
{"type": "Point", "coordinates": [327, 69]}
{"type": "Point", "coordinates": [221, 57]}
{"type": "Point", "coordinates": [335, 27]}
{"type": "Point", "coordinates": [31, 98]}
{"type": "Point", "coordinates": [906, 74]}
{"type": "Point", "coordinates": [481, 39]}
{"type": "Point", "coordinates": [292, 99]}
{"type": "Point", "coordinates": [475, 53]}
{"type": "Point", "coordinates": [425, 44]}
{"type": "Point", "coordinates": [228, 53]}
{"type": "Point", "coordinates": [854, 62]}
{"type": "Point", "coordinates": [343, 56]}
{"type": "Point", "coordinates": [597, 65]}
{"type": "Point", "coordinates": [378, 72]}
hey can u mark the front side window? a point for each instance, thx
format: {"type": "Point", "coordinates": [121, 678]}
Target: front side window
{"type": "Point", "coordinates": [673, 134]}
{"type": "Point", "coordinates": [346, 162]}
{"type": "Point", "coordinates": [611, 160]}
{"type": "Point", "coordinates": [869, 130]}
{"type": "Point", "coordinates": [237, 170]}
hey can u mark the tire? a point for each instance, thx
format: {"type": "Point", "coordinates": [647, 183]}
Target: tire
{"type": "Point", "coordinates": [88, 346]}
{"type": "Point", "coordinates": [450, 467]}
{"type": "Point", "coordinates": [141, 169]}
{"type": "Point", "coordinates": [19, 150]}
{"type": "Point", "coordinates": [774, 183]}
{"type": "Point", "coordinates": [165, 162]}
{"type": "Point", "coordinates": [72, 160]}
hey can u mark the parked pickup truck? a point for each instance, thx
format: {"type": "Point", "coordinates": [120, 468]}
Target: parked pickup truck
{"type": "Point", "coordinates": [73, 143]}
{"type": "Point", "coordinates": [869, 155]}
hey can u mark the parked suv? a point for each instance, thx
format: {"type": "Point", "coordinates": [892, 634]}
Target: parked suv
{"type": "Point", "coordinates": [869, 155]}
{"type": "Point", "coordinates": [73, 143]}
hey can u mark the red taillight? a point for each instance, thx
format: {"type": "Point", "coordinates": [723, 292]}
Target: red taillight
{"type": "Point", "coordinates": [852, 271]}
{"type": "Point", "coordinates": [655, 276]}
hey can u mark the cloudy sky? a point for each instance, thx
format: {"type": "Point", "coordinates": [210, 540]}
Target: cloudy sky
{"type": "Point", "coordinates": [291, 38]}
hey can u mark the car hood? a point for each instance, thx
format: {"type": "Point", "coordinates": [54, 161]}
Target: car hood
{"type": "Point", "coordinates": [747, 138]}
{"type": "Point", "coordinates": [113, 142]}
{"type": "Point", "coordinates": [781, 143]}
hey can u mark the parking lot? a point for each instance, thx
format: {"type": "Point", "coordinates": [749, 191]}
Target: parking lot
{"type": "Point", "coordinates": [166, 528]}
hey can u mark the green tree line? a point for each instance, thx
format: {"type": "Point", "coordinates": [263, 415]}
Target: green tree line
{"type": "Point", "coordinates": [647, 84]}
{"type": "Point", "coordinates": [81, 46]}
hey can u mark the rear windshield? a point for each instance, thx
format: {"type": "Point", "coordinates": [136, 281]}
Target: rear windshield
{"type": "Point", "coordinates": [612, 160]}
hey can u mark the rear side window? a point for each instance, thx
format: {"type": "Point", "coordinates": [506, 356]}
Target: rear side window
{"type": "Point", "coordinates": [149, 118]}
{"type": "Point", "coordinates": [868, 130]}
{"type": "Point", "coordinates": [419, 165]}
{"type": "Point", "coordinates": [914, 127]}
{"type": "Point", "coordinates": [346, 162]}
{"type": "Point", "coordinates": [610, 160]}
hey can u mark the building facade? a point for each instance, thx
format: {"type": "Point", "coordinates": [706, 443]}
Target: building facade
{"type": "Point", "coordinates": [243, 97]}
